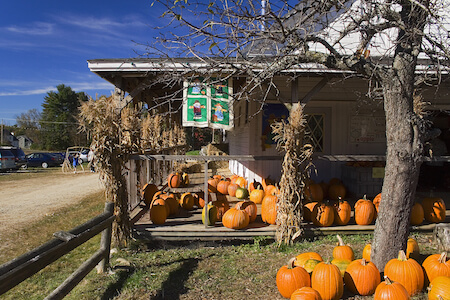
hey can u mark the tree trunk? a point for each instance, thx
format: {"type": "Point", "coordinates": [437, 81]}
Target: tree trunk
{"type": "Point", "coordinates": [403, 160]}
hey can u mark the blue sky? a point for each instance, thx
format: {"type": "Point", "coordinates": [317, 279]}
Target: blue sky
{"type": "Point", "coordinates": [47, 43]}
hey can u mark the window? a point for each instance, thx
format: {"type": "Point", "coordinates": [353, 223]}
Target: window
{"type": "Point", "coordinates": [315, 131]}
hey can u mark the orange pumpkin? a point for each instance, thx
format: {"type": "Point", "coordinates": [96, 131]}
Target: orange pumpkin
{"type": "Point", "coordinates": [439, 288]}
{"type": "Point", "coordinates": [199, 199]}
{"type": "Point", "coordinates": [337, 191]}
{"type": "Point", "coordinates": [173, 205]}
{"type": "Point", "coordinates": [158, 214]}
{"type": "Point", "coordinates": [362, 277]}
{"type": "Point", "coordinates": [405, 271]}
{"type": "Point", "coordinates": [232, 187]}
{"type": "Point", "coordinates": [306, 293]}
{"type": "Point", "coordinates": [222, 207]}
{"type": "Point", "coordinates": [161, 201]}
{"type": "Point", "coordinates": [174, 180]}
{"type": "Point", "coordinates": [436, 265]}
{"type": "Point", "coordinates": [412, 249]}
{"type": "Point", "coordinates": [257, 195]}
{"type": "Point", "coordinates": [390, 290]}
{"type": "Point", "coordinates": [212, 185]}
{"type": "Point", "coordinates": [364, 211]}
{"type": "Point", "coordinates": [327, 280]}
{"type": "Point", "coordinates": [187, 201]}
{"type": "Point", "coordinates": [255, 185]}
{"type": "Point", "coordinates": [222, 187]}
{"type": "Point", "coordinates": [366, 252]}
{"type": "Point", "coordinates": [310, 264]}
{"type": "Point", "coordinates": [323, 215]}
{"type": "Point", "coordinates": [417, 214]}
{"type": "Point", "coordinates": [271, 190]}
{"type": "Point", "coordinates": [148, 191]}
{"type": "Point", "coordinates": [314, 192]}
{"type": "Point", "coordinates": [434, 209]}
{"type": "Point", "coordinates": [343, 251]}
{"type": "Point", "coordinates": [376, 201]}
{"type": "Point", "coordinates": [235, 218]}
{"type": "Point", "coordinates": [250, 207]}
{"type": "Point", "coordinates": [342, 211]}
{"type": "Point", "coordinates": [308, 209]}
{"type": "Point", "coordinates": [301, 259]}
{"type": "Point", "coordinates": [240, 181]}
{"type": "Point", "coordinates": [290, 278]}
{"type": "Point", "coordinates": [269, 209]}
{"type": "Point", "coordinates": [267, 181]}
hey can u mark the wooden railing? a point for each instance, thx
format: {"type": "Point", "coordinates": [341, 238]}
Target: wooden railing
{"type": "Point", "coordinates": [17, 270]}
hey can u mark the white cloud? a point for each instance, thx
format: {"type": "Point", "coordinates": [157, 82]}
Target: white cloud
{"type": "Point", "coordinates": [37, 28]}
{"type": "Point", "coordinates": [76, 86]}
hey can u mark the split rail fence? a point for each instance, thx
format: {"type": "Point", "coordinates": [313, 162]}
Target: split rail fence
{"type": "Point", "coordinates": [17, 270]}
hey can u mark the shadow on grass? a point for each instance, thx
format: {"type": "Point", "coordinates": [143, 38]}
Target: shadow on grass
{"type": "Point", "coordinates": [174, 286]}
{"type": "Point", "coordinates": [115, 288]}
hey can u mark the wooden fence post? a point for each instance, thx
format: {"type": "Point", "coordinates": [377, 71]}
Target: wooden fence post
{"type": "Point", "coordinates": [105, 242]}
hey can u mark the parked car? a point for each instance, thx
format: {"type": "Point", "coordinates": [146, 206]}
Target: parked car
{"type": "Point", "coordinates": [20, 158]}
{"type": "Point", "coordinates": [45, 160]}
{"type": "Point", "coordinates": [84, 155]}
{"type": "Point", "coordinates": [7, 160]}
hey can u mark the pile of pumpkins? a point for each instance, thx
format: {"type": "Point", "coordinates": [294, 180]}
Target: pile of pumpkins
{"type": "Point", "coordinates": [336, 211]}
{"type": "Point", "coordinates": [162, 205]}
{"type": "Point", "coordinates": [307, 276]}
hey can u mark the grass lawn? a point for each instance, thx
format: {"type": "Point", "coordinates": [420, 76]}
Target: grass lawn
{"type": "Point", "coordinates": [198, 270]}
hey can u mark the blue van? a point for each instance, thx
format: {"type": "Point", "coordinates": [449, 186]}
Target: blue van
{"type": "Point", "coordinates": [7, 160]}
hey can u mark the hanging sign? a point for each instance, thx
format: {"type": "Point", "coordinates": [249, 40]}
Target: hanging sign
{"type": "Point", "coordinates": [208, 104]}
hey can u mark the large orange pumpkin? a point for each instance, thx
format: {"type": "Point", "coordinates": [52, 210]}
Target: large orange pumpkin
{"type": "Point", "coordinates": [250, 207]}
{"type": "Point", "coordinates": [306, 293]}
{"type": "Point", "coordinates": [173, 205]}
{"type": "Point", "coordinates": [343, 251]}
{"type": "Point", "coordinates": [148, 191]}
{"type": "Point", "coordinates": [434, 209]}
{"type": "Point", "coordinates": [439, 288]}
{"type": "Point", "coordinates": [314, 192]}
{"type": "Point", "coordinates": [257, 195]}
{"type": "Point", "coordinates": [390, 290]}
{"type": "Point", "coordinates": [235, 218]}
{"type": "Point", "coordinates": [222, 187]}
{"type": "Point", "coordinates": [436, 265]}
{"type": "Point", "coordinates": [158, 214]}
{"type": "Point", "coordinates": [240, 181]}
{"type": "Point", "coordinates": [364, 211]}
{"type": "Point", "coordinates": [323, 215]}
{"type": "Point", "coordinates": [271, 190]}
{"type": "Point", "coordinates": [327, 280]}
{"type": "Point", "coordinates": [232, 188]}
{"type": "Point", "coordinates": [362, 277]}
{"type": "Point", "coordinates": [269, 209]}
{"type": "Point", "coordinates": [342, 212]}
{"type": "Point", "coordinates": [161, 201]}
{"type": "Point", "coordinates": [417, 214]}
{"type": "Point", "coordinates": [290, 278]}
{"type": "Point", "coordinates": [405, 271]}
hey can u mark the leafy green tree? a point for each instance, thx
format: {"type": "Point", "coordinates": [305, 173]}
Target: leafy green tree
{"type": "Point", "coordinates": [59, 118]}
{"type": "Point", "coordinates": [28, 124]}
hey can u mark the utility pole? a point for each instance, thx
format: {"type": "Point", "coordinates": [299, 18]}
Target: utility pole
{"type": "Point", "coordinates": [1, 141]}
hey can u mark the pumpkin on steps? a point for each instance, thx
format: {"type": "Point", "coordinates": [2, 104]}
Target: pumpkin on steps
{"type": "Point", "coordinates": [250, 207]}
{"type": "Point", "coordinates": [434, 209]}
{"type": "Point", "coordinates": [209, 214]}
{"type": "Point", "coordinates": [342, 211]}
{"type": "Point", "coordinates": [158, 214]}
{"type": "Point", "coordinates": [257, 195]}
{"type": "Point", "coordinates": [323, 215]}
{"type": "Point", "coordinates": [235, 218]}
{"type": "Point", "coordinates": [241, 193]}
{"type": "Point", "coordinates": [222, 187]}
{"type": "Point", "coordinates": [269, 209]}
{"type": "Point", "coordinates": [148, 191]}
{"type": "Point", "coordinates": [174, 180]}
{"type": "Point", "coordinates": [364, 211]}
{"type": "Point", "coordinates": [417, 214]}
{"type": "Point", "coordinates": [222, 207]}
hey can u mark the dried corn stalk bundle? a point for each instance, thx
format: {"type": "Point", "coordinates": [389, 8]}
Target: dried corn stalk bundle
{"type": "Point", "coordinates": [115, 135]}
{"type": "Point", "coordinates": [296, 166]}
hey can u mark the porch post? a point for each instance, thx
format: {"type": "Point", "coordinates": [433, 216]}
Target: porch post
{"type": "Point", "coordinates": [206, 195]}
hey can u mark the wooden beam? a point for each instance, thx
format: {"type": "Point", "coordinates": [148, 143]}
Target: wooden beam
{"type": "Point", "coordinates": [314, 90]}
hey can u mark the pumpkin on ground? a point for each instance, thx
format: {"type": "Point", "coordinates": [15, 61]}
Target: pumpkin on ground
{"type": "Point", "coordinates": [439, 288]}
{"type": "Point", "coordinates": [250, 207]}
{"type": "Point", "coordinates": [323, 215]}
{"type": "Point", "coordinates": [362, 277]}
{"type": "Point", "coordinates": [327, 280]}
{"type": "Point", "coordinates": [364, 211]}
{"type": "Point", "coordinates": [269, 209]}
{"type": "Point", "coordinates": [390, 290]}
{"type": "Point", "coordinates": [412, 249]}
{"type": "Point", "coordinates": [434, 209]}
{"type": "Point", "coordinates": [342, 211]}
{"type": "Point", "coordinates": [174, 180]}
{"type": "Point", "coordinates": [257, 195]}
{"type": "Point", "coordinates": [301, 259]}
{"type": "Point", "coordinates": [405, 271]}
{"type": "Point", "coordinates": [366, 252]}
{"type": "Point", "coordinates": [290, 278]}
{"type": "Point", "coordinates": [342, 264]}
{"type": "Point", "coordinates": [310, 264]}
{"type": "Point", "coordinates": [343, 251]}
{"type": "Point", "coordinates": [158, 214]}
{"type": "Point", "coordinates": [417, 214]}
{"type": "Point", "coordinates": [148, 191]}
{"type": "Point", "coordinates": [235, 218]}
{"type": "Point", "coordinates": [436, 265]}
{"type": "Point", "coordinates": [209, 214]}
{"type": "Point", "coordinates": [306, 293]}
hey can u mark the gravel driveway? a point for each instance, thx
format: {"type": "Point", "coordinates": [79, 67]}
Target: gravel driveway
{"type": "Point", "coordinates": [25, 201]}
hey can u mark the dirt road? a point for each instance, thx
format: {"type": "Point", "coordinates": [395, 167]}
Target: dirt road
{"type": "Point", "coordinates": [24, 201]}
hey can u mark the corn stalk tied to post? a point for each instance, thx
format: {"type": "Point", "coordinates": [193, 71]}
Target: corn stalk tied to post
{"type": "Point", "coordinates": [296, 167]}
